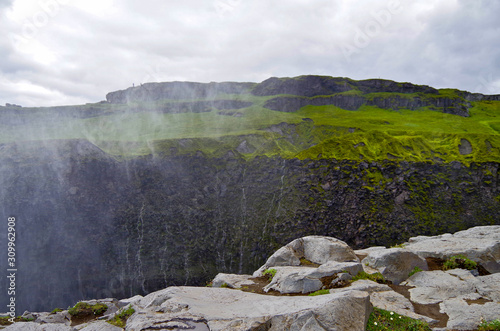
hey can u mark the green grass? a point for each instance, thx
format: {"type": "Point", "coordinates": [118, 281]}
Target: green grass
{"type": "Point", "coordinates": [369, 134]}
{"type": "Point", "coordinates": [376, 277]}
{"type": "Point", "coordinates": [489, 326]}
{"type": "Point", "coordinates": [386, 320]}
{"type": "Point", "coordinates": [414, 271]}
{"type": "Point", "coordinates": [319, 292]}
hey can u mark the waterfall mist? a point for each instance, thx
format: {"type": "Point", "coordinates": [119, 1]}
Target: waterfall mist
{"type": "Point", "coordinates": [170, 183]}
{"type": "Point", "coordinates": [100, 213]}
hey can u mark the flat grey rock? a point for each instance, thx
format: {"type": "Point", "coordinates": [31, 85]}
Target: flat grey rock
{"type": "Point", "coordinates": [98, 326]}
{"type": "Point", "coordinates": [436, 286]}
{"type": "Point", "coordinates": [128, 301]}
{"type": "Point", "coordinates": [488, 286]}
{"type": "Point", "coordinates": [226, 309]}
{"type": "Point", "coordinates": [32, 326]}
{"type": "Point", "coordinates": [464, 316]}
{"type": "Point", "coordinates": [62, 317]}
{"type": "Point", "coordinates": [232, 280]}
{"type": "Point", "coordinates": [481, 244]}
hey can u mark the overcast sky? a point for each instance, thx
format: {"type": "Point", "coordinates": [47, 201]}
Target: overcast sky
{"type": "Point", "coordinates": [59, 52]}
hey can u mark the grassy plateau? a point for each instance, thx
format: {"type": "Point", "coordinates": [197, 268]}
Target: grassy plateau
{"type": "Point", "coordinates": [326, 131]}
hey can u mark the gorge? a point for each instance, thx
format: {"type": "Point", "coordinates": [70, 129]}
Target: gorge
{"type": "Point", "coordinates": [171, 183]}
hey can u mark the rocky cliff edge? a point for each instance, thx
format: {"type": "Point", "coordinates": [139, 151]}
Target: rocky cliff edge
{"type": "Point", "coordinates": [449, 282]}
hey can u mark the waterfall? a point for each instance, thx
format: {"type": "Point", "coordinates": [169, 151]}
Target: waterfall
{"type": "Point", "coordinates": [140, 233]}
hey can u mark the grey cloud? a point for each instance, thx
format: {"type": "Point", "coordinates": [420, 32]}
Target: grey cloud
{"type": "Point", "coordinates": [440, 43]}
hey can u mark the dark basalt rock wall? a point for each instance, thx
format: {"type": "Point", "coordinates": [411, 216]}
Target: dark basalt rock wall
{"type": "Point", "coordinates": [92, 226]}
{"type": "Point", "coordinates": [378, 85]}
{"type": "Point", "coordinates": [293, 104]}
{"type": "Point", "coordinates": [306, 86]}
{"type": "Point", "coordinates": [455, 106]}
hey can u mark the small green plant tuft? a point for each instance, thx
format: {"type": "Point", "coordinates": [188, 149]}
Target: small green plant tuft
{"type": "Point", "coordinates": [56, 310]}
{"type": "Point", "coordinates": [225, 285]}
{"type": "Point", "coordinates": [489, 326]}
{"type": "Point", "coordinates": [376, 277]}
{"type": "Point", "coordinates": [4, 320]}
{"type": "Point", "coordinates": [270, 273]}
{"type": "Point", "coordinates": [319, 292]}
{"type": "Point", "coordinates": [414, 271]}
{"type": "Point", "coordinates": [23, 319]}
{"type": "Point", "coordinates": [99, 309]}
{"type": "Point", "coordinates": [387, 320]}
{"type": "Point", "coordinates": [399, 246]}
{"type": "Point", "coordinates": [120, 319]}
{"type": "Point", "coordinates": [459, 261]}
{"type": "Point", "coordinates": [83, 308]}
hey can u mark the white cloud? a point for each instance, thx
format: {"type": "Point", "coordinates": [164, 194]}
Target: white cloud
{"type": "Point", "coordinates": [82, 49]}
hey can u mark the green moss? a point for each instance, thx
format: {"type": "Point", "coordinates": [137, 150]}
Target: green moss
{"type": "Point", "coordinates": [319, 292]}
{"type": "Point", "coordinates": [5, 320]}
{"type": "Point", "coordinates": [376, 277]}
{"type": "Point", "coordinates": [459, 261]}
{"type": "Point", "coordinates": [270, 273]}
{"type": "Point", "coordinates": [83, 308]}
{"type": "Point", "coordinates": [306, 262]}
{"type": "Point", "coordinates": [121, 317]}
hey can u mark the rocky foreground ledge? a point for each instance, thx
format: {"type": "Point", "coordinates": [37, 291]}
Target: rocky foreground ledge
{"type": "Point", "coordinates": [446, 295]}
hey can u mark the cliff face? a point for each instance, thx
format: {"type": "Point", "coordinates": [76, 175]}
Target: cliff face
{"type": "Point", "coordinates": [92, 226]}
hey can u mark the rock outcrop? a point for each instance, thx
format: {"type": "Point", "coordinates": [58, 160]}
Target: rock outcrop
{"type": "Point", "coordinates": [481, 244]}
{"type": "Point", "coordinates": [225, 309]}
{"type": "Point", "coordinates": [455, 299]}
{"type": "Point", "coordinates": [302, 91]}
{"type": "Point", "coordinates": [314, 249]}
{"type": "Point", "coordinates": [394, 264]}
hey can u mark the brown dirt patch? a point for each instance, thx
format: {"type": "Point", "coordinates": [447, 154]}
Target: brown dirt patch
{"type": "Point", "coordinates": [81, 318]}
{"type": "Point", "coordinates": [431, 311]}
{"type": "Point", "coordinates": [258, 287]}
{"type": "Point", "coordinates": [480, 301]}
{"type": "Point", "coordinates": [434, 263]}
{"type": "Point", "coordinates": [361, 256]}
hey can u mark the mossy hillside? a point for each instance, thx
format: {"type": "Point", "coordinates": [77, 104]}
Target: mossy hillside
{"type": "Point", "coordinates": [368, 133]}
